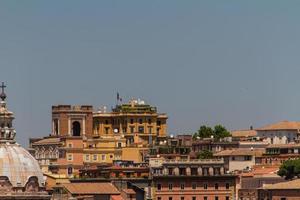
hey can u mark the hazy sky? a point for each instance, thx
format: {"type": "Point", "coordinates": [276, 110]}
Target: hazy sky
{"type": "Point", "coordinates": [202, 62]}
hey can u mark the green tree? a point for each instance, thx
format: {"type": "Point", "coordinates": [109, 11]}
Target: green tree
{"type": "Point", "coordinates": [289, 169]}
{"type": "Point", "coordinates": [205, 154]}
{"type": "Point", "coordinates": [220, 132]}
{"type": "Point", "coordinates": [204, 132]}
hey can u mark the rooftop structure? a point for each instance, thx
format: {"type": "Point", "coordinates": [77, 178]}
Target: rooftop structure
{"type": "Point", "coordinates": [135, 107]}
{"type": "Point", "coordinates": [85, 190]}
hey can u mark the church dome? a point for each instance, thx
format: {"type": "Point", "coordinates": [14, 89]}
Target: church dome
{"type": "Point", "coordinates": [18, 165]}
{"type": "Point", "coordinates": [20, 174]}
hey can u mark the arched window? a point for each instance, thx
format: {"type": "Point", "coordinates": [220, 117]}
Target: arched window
{"type": "Point", "coordinates": [216, 186]}
{"type": "Point", "coordinates": [70, 170]}
{"type": "Point", "coordinates": [76, 128]}
{"type": "Point", "coordinates": [56, 126]}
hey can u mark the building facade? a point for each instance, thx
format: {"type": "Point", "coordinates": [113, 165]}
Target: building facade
{"type": "Point", "coordinates": [81, 137]}
{"type": "Point", "coordinates": [283, 132]}
{"type": "Point", "coordinates": [136, 121]}
{"type": "Point", "coordinates": [192, 180]}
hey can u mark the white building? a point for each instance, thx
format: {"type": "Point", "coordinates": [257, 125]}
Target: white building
{"type": "Point", "coordinates": [283, 132]}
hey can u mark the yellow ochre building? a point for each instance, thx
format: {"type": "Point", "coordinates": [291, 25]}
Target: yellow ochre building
{"type": "Point", "coordinates": [81, 136]}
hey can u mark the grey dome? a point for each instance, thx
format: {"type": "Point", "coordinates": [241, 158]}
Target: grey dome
{"type": "Point", "coordinates": [18, 165]}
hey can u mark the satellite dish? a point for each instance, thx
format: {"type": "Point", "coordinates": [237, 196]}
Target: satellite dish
{"type": "Point", "coordinates": [171, 136]}
{"type": "Point", "coordinates": [116, 130]}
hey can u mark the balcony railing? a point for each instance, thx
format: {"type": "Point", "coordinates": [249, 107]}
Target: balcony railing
{"type": "Point", "coordinates": [194, 161]}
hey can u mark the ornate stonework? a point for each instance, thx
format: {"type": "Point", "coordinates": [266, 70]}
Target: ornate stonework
{"type": "Point", "coordinates": [20, 174]}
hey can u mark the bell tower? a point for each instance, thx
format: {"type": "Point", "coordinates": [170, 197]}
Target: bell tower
{"type": "Point", "coordinates": [7, 132]}
{"type": "Point", "coordinates": [70, 120]}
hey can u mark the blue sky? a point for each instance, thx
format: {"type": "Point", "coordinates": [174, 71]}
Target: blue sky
{"type": "Point", "coordinates": [234, 63]}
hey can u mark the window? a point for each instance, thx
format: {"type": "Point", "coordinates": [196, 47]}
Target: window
{"type": "Point", "coordinates": [95, 157]}
{"type": "Point", "coordinates": [76, 128]}
{"type": "Point", "coordinates": [158, 198]}
{"type": "Point", "coordinates": [204, 171]}
{"type": "Point", "coordinates": [170, 198]}
{"type": "Point", "coordinates": [194, 171]}
{"type": "Point", "coordinates": [131, 121]}
{"type": "Point", "coordinates": [70, 145]}
{"type": "Point", "coordinates": [181, 198]}
{"type": "Point", "coordinates": [205, 186]}
{"type": "Point", "coordinates": [193, 198]}
{"type": "Point", "coordinates": [149, 121]}
{"type": "Point", "coordinates": [103, 157]}
{"type": "Point", "coordinates": [149, 130]}
{"type": "Point", "coordinates": [158, 123]}
{"type": "Point", "coordinates": [111, 156]}
{"type": "Point", "coordinates": [227, 186]}
{"type": "Point", "coordinates": [216, 186]}
{"type": "Point", "coordinates": [216, 198]}
{"type": "Point", "coordinates": [233, 158]}
{"type": "Point", "coordinates": [106, 130]}
{"type": "Point", "coordinates": [182, 186]}
{"type": "Point", "coordinates": [141, 129]}
{"type": "Point", "coordinates": [87, 157]}
{"type": "Point", "coordinates": [119, 144]}
{"type": "Point", "coordinates": [170, 186]}
{"type": "Point", "coordinates": [247, 158]}
{"type": "Point", "coordinates": [140, 121]}
{"type": "Point", "coordinates": [106, 121]}
{"type": "Point", "coordinates": [217, 171]}
{"type": "Point", "coordinates": [170, 171]}
{"type": "Point", "coordinates": [204, 198]}
{"type": "Point", "coordinates": [158, 186]}
{"type": "Point", "coordinates": [131, 129]}
{"type": "Point", "coordinates": [70, 157]}
{"type": "Point", "coordinates": [227, 198]}
{"type": "Point", "coordinates": [194, 186]}
{"type": "Point", "coordinates": [70, 170]}
{"type": "Point", "coordinates": [182, 171]}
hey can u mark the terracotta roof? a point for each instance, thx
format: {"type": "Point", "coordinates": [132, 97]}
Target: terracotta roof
{"type": "Point", "coordinates": [48, 141]}
{"type": "Point", "coordinates": [259, 171]}
{"type": "Point", "coordinates": [241, 152]}
{"type": "Point", "coordinates": [291, 145]}
{"type": "Point", "coordinates": [129, 191]}
{"type": "Point", "coordinates": [91, 188]}
{"type": "Point", "coordinates": [116, 197]}
{"type": "Point", "coordinates": [289, 185]}
{"type": "Point", "coordinates": [283, 125]}
{"type": "Point", "coordinates": [243, 133]}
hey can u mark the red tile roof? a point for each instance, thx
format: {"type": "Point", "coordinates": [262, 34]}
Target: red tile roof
{"type": "Point", "coordinates": [289, 185]}
{"type": "Point", "coordinates": [244, 133]}
{"type": "Point", "coordinates": [47, 141]}
{"type": "Point", "coordinates": [283, 125]}
{"type": "Point", "coordinates": [91, 188]}
{"type": "Point", "coordinates": [116, 197]}
{"type": "Point", "coordinates": [129, 191]}
{"type": "Point", "coordinates": [241, 152]}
